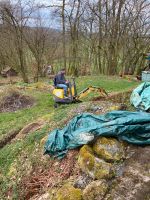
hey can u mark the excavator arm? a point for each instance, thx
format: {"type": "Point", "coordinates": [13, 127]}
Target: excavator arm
{"type": "Point", "coordinates": [90, 89]}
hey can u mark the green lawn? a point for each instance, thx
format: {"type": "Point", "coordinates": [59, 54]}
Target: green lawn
{"type": "Point", "coordinates": [110, 84]}
{"type": "Point", "coordinates": [12, 154]}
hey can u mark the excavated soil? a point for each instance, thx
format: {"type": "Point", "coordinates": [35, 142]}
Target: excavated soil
{"type": "Point", "coordinates": [115, 97]}
{"type": "Point", "coordinates": [15, 101]}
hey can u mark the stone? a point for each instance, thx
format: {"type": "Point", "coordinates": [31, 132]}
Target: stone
{"type": "Point", "coordinates": [96, 190]}
{"type": "Point", "coordinates": [94, 167]}
{"type": "Point", "coordinates": [109, 149]}
{"type": "Point", "coordinates": [68, 192]}
{"type": "Point", "coordinates": [82, 181]}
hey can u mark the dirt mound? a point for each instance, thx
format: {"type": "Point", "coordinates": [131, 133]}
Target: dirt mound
{"type": "Point", "coordinates": [115, 97]}
{"type": "Point", "coordinates": [14, 100]}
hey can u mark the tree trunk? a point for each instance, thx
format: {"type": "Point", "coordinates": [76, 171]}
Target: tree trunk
{"type": "Point", "coordinates": [64, 33]}
{"type": "Point", "coordinates": [99, 38]}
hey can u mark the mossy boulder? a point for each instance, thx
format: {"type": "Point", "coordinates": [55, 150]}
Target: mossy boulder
{"type": "Point", "coordinates": [93, 166]}
{"type": "Point", "coordinates": [95, 190]}
{"type": "Point", "coordinates": [109, 149]}
{"type": "Point", "coordinates": [68, 192]}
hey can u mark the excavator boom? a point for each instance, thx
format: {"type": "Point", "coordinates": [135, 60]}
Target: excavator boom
{"type": "Point", "coordinates": [90, 89]}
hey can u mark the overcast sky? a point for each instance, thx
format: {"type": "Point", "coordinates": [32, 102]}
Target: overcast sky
{"type": "Point", "coordinates": [47, 13]}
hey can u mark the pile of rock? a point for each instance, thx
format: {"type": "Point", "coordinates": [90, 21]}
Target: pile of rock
{"type": "Point", "coordinates": [98, 163]}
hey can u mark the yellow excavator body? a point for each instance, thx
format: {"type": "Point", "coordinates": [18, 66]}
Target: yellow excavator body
{"type": "Point", "coordinates": [58, 93]}
{"type": "Point", "coordinates": [73, 90]}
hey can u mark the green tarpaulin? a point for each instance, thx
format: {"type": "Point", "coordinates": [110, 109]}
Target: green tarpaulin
{"type": "Point", "coordinates": [133, 127]}
{"type": "Point", "coordinates": [140, 97]}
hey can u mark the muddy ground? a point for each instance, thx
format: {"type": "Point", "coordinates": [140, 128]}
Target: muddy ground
{"type": "Point", "coordinates": [15, 101]}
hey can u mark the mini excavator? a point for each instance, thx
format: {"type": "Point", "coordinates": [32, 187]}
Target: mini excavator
{"type": "Point", "coordinates": [73, 97]}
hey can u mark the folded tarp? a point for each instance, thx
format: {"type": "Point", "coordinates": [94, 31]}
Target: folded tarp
{"type": "Point", "coordinates": [140, 97]}
{"type": "Point", "coordinates": [132, 127]}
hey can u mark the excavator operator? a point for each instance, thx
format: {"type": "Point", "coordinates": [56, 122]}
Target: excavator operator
{"type": "Point", "coordinates": [61, 82]}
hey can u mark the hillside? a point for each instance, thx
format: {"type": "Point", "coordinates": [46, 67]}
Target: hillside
{"type": "Point", "coordinates": [25, 173]}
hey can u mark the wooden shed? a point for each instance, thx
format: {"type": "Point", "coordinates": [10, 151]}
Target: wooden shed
{"type": "Point", "coordinates": [8, 71]}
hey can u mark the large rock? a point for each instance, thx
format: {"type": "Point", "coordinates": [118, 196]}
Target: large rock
{"type": "Point", "coordinates": [95, 190]}
{"type": "Point", "coordinates": [93, 166]}
{"type": "Point", "coordinates": [109, 149]}
{"type": "Point", "coordinates": [68, 192]}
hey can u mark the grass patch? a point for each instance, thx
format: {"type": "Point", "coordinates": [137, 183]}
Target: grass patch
{"type": "Point", "coordinates": [109, 83]}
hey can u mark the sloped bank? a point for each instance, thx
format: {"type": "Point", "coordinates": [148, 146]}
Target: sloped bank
{"type": "Point", "coordinates": [57, 167]}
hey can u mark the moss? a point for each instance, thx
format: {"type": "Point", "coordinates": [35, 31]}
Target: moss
{"type": "Point", "coordinates": [86, 148]}
{"type": "Point", "coordinates": [109, 149]}
{"type": "Point", "coordinates": [95, 190]}
{"type": "Point", "coordinates": [103, 169]}
{"type": "Point", "coordinates": [86, 157]}
{"type": "Point", "coordinates": [93, 166]}
{"type": "Point", "coordinates": [68, 192]}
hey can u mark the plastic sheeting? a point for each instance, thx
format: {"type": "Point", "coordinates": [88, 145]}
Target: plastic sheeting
{"type": "Point", "coordinates": [140, 97]}
{"type": "Point", "coordinates": [133, 127]}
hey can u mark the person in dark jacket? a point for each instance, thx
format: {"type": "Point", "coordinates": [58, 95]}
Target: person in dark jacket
{"type": "Point", "coordinates": [61, 82]}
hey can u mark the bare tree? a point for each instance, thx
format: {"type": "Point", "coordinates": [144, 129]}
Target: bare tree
{"type": "Point", "coordinates": [64, 32]}
{"type": "Point", "coordinates": [16, 18]}
{"type": "Point", "coordinates": [102, 36]}
{"type": "Point", "coordinates": [36, 38]}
